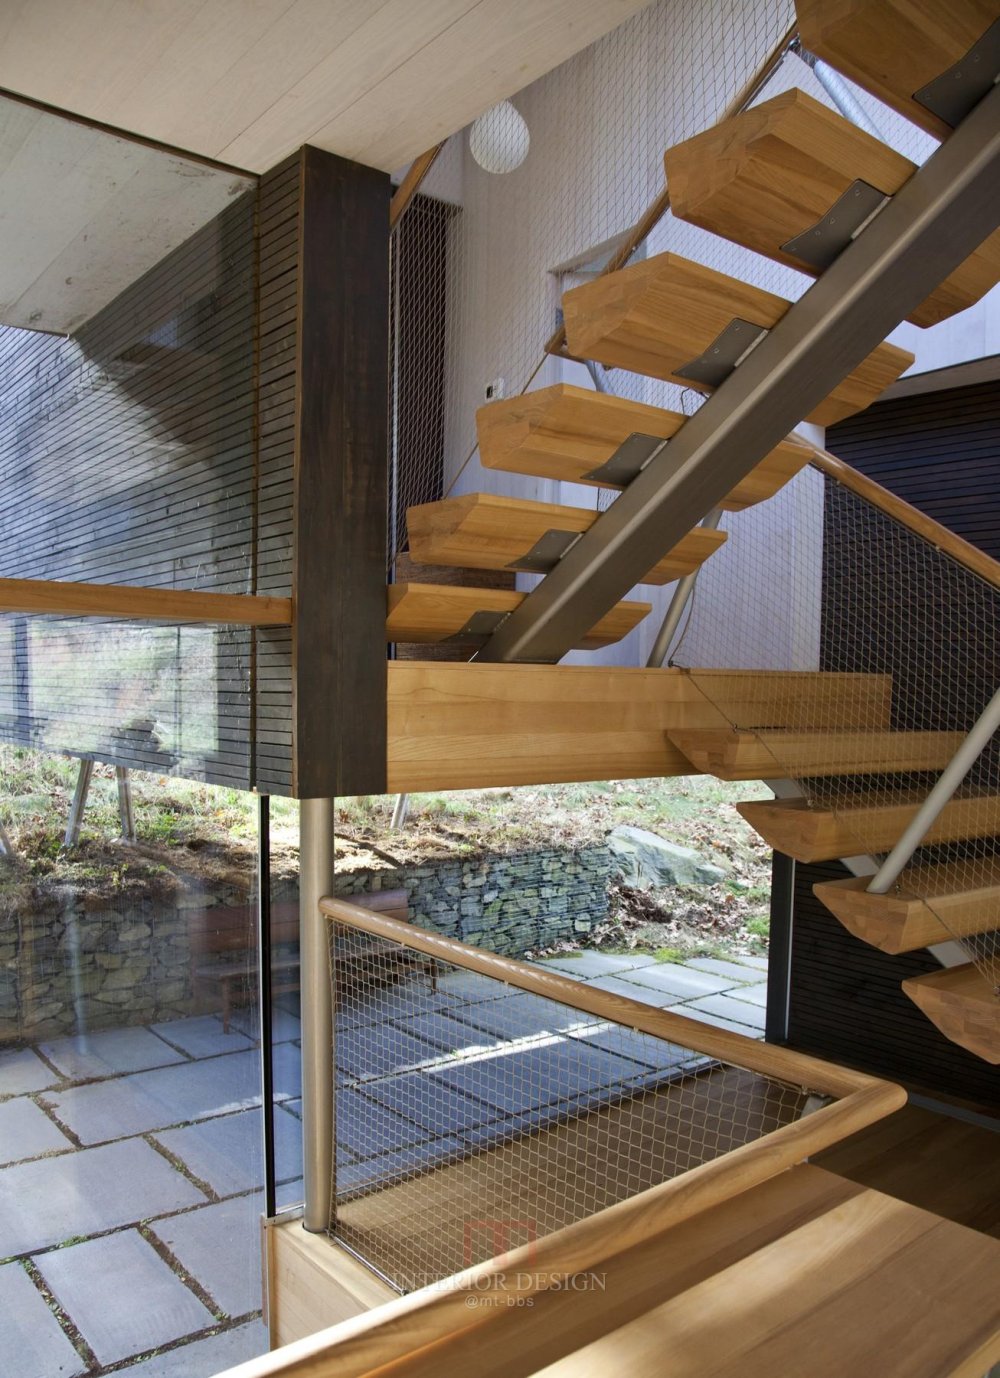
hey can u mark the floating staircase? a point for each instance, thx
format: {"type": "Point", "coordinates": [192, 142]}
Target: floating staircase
{"type": "Point", "coordinates": [673, 319]}
{"type": "Point", "coordinates": [794, 181]}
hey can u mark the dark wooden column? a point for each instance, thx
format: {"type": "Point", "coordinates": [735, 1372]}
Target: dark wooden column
{"type": "Point", "coordinates": [340, 504]}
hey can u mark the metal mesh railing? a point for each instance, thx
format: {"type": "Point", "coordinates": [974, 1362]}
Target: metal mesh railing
{"type": "Point", "coordinates": [473, 1116]}
{"type": "Point", "coordinates": [821, 579]}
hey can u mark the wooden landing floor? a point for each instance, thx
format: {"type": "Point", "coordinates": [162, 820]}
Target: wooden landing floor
{"type": "Point", "coordinates": [929, 1160]}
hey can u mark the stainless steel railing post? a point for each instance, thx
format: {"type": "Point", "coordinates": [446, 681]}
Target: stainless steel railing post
{"type": "Point", "coordinates": [318, 1126]}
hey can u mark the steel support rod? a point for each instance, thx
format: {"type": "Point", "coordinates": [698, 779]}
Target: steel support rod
{"type": "Point", "coordinates": [400, 810]}
{"type": "Point", "coordinates": [6, 846]}
{"type": "Point", "coordinates": [79, 804]}
{"type": "Point", "coordinates": [125, 810]}
{"type": "Point", "coordinates": [316, 881]}
{"type": "Point", "coordinates": [948, 782]}
{"type": "Point", "coordinates": [936, 220]}
{"type": "Point", "coordinates": [839, 92]}
{"type": "Point", "coordinates": [678, 604]}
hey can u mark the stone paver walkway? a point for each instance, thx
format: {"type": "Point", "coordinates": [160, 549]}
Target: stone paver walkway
{"type": "Point", "coordinates": [130, 1178]}
{"type": "Point", "coordinates": [135, 1154]}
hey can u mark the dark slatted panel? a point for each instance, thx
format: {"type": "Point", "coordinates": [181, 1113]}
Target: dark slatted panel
{"type": "Point", "coordinates": [941, 452]}
{"type": "Point", "coordinates": [846, 1004]}
{"type": "Point", "coordinates": [127, 455]}
{"type": "Point", "coordinates": [278, 230]}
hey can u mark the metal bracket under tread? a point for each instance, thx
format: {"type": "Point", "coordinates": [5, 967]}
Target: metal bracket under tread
{"type": "Point", "coordinates": [631, 457]}
{"type": "Point", "coordinates": [479, 628]}
{"type": "Point", "coordinates": [726, 351]}
{"type": "Point", "coordinates": [959, 89]}
{"type": "Point", "coordinates": [823, 242]}
{"type": "Point", "coordinates": [547, 551]}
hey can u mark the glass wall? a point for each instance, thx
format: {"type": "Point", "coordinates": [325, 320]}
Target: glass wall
{"type": "Point", "coordinates": [131, 1136]}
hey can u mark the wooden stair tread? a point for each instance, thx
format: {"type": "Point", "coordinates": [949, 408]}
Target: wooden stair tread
{"type": "Point", "coordinates": [771, 173]}
{"type": "Point", "coordinates": [960, 1002]}
{"type": "Point", "coordinates": [564, 432]}
{"type": "Point", "coordinates": [894, 47]}
{"type": "Point", "coordinates": [428, 613]}
{"type": "Point", "coordinates": [658, 315]}
{"type": "Point", "coordinates": [809, 1274]}
{"type": "Point", "coordinates": [769, 755]}
{"type": "Point", "coordinates": [825, 834]}
{"type": "Point", "coordinates": [934, 905]}
{"type": "Point", "coordinates": [483, 531]}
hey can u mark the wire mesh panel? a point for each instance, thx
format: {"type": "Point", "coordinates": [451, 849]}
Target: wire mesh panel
{"type": "Point", "coordinates": [918, 635]}
{"type": "Point", "coordinates": [472, 1116]}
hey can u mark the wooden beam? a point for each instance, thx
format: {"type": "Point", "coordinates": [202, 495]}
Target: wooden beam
{"type": "Point", "coordinates": [771, 755]}
{"type": "Point", "coordinates": [485, 531]}
{"type": "Point", "coordinates": [772, 173]}
{"type": "Point", "coordinates": [410, 184]}
{"type": "Point", "coordinates": [933, 904]}
{"type": "Point", "coordinates": [893, 48]}
{"type": "Point", "coordinates": [56, 598]}
{"type": "Point", "coordinates": [810, 832]}
{"type": "Point", "coordinates": [963, 1005]}
{"type": "Point", "coordinates": [340, 479]}
{"type": "Point", "coordinates": [659, 315]}
{"type": "Point", "coordinates": [454, 726]}
{"type": "Point", "coordinates": [432, 613]}
{"type": "Point", "coordinates": [564, 432]}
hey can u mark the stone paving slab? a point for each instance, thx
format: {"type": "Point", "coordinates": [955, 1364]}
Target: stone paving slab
{"type": "Point", "coordinates": [447, 1034]}
{"type": "Point", "coordinates": [121, 1295]}
{"type": "Point", "coordinates": [26, 1131]}
{"type": "Point", "coordinates": [23, 1070]}
{"type": "Point", "coordinates": [678, 980]}
{"type": "Point", "coordinates": [106, 1054]}
{"type": "Point", "coordinates": [54, 1199]}
{"type": "Point", "coordinates": [202, 1036]}
{"type": "Point", "coordinates": [369, 1052]}
{"type": "Point", "coordinates": [219, 1246]}
{"type": "Point", "coordinates": [286, 1068]}
{"type": "Point", "coordinates": [204, 1358]}
{"type": "Point", "coordinates": [401, 1000]}
{"type": "Point", "coordinates": [759, 962]}
{"type": "Point", "coordinates": [734, 968]}
{"type": "Point", "coordinates": [646, 995]}
{"type": "Point", "coordinates": [468, 987]}
{"type": "Point", "coordinates": [398, 1166]}
{"type": "Point", "coordinates": [544, 1074]}
{"type": "Point", "coordinates": [228, 1153]}
{"type": "Point", "coordinates": [587, 964]}
{"type": "Point", "coordinates": [366, 1126]}
{"type": "Point", "coordinates": [153, 1100]}
{"type": "Point", "coordinates": [752, 995]}
{"type": "Point", "coordinates": [649, 1052]}
{"type": "Point", "coordinates": [32, 1343]}
{"type": "Point", "coordinates": [437, 1108]}
{"type": "Point", "coordinates": [723, 1006]}
{"type": "Point", "coordinates": [705, 1017]}
{"type": "Point", "coordinates": [522, 1016]}
{"type": "Point", "coordinates": [284, 1026]}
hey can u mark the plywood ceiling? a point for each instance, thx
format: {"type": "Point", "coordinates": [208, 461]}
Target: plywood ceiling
{"type": "Point", "coordinates": [248, 81]}
{"type": "Point", "coordinates": [84, 213]}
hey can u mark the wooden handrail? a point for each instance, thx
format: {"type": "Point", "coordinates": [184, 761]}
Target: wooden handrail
{"type": "Point", "coordinates": [66, 599]}
{"type": "Point", "coordinates": [658, 208]}
{"type": "Point", "coordinates": [410, 184]}
{"type": "Point", "coordinates": [973, 559]}
{"type": "Point", "coordinates": [408, 1337]}
{"type": "Point", "coordinates": [780, 1063]}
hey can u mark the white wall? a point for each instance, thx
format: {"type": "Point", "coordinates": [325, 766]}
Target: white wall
{"type": "Point", "coordinates": [599, 125]}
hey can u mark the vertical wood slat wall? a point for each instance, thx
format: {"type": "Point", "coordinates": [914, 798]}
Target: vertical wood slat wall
{"type": "Point", "coordinates": [278, 248]}
{"type": "Point", "coordinates": [127, 456]}
{"type": "Point", "coordinates": [220, 426]}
